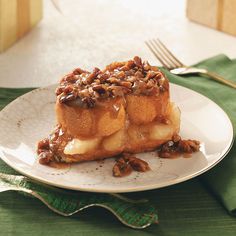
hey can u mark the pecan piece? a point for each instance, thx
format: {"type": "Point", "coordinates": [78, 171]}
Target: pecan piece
{"type": "Point", "coordinates": [130, 64]}
{"type": "Point", "coordinates": [93, 75]}
{"type": "Point", "coordinates": [78, 71]}
{"type": "Point", "coordinates": [139, 74]}
{"type": "Point", "coordinates": [121, 168]}
{"type": "Point", "coordinates": [113, 80]}
{"type": "Point", "coordinates": [151, 83]}
{"type": "Point", "coordinates": [138, 164]}
{"type": "Point", "coordinates": [89, 102]}
{"type": "Point", "coordinates": [131, 78]}
{"type": "Point", "coordinates": [102, 78]}
{"type": "Point", "coordinates": [177, 146]}
{"type": "Point", "coordinates": [68, 88]}
{"type": "Point", "coordinates": [127, 163]}
{"type": "Point", "coordinates": [118, 91]}
{"type": "Point", "coordinates": [189, 146]}
{"type": "Point", "coordinates": [66, 97]}
{"type": "Point", "coordinates": [45, 157]}
{"type": "Point", "coordinates": [126, 84]}
{"type": "Point", "coordinates": [130, 72]}
{"type": "Point", "coordinates": [124, 68]}
{"type": "Point", "coordinates": [150, 75]}
{"type": "Point", "coordinates": [176, 138]}
{"type": "Point", "coordinates": [114, 65]}
{"type": "Point", "coordinates": [100, 89]}
{"type": "Point", "coordinates": [146, 66]}
{"type": "Point", "coordinates": [159, 76]}
{"type": "Point", "coordinates": [139, 87]}
{"type": "Point", "coordinates": [59, 90]}
{"type": "Point", "coordinates": [120, 75]}
{"type": "Point", "coordinates": [43, 145]}
{"type": "Point", "coordinates": [84, 93]}
{"type": "Point", "coordinates": [138, 61]}
{"type": "Point", "coordinates": [69, 77]}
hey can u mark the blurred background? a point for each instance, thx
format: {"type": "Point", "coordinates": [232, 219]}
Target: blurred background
{"type": "Point", "coordinates": [57, 36]}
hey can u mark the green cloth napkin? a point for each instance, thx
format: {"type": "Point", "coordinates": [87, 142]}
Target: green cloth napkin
{"type": "Point", "coordinates": [222, 178]}
{"type": "Point", "coordinates": [136, 214]}
{"type": "Point", "coordinates": [188, 208]}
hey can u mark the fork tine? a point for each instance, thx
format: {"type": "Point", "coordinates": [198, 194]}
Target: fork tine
{"type": "Point", "coordinates": [148, 43]}
{"type": "Point", "coordinates": [173, 58]}
{"type": "Point", "coordinates": [163, 55]}
{"type": "Point", "coordinates": [166, 54]}
{"type": "Point", "coordinates": [157, 54]}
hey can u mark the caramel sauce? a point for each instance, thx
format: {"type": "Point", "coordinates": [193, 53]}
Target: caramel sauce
{"type": "Point", "coordinates": [178, 155]}
{"type": "Point", "coordinates": [173, 155]}
{"type": "Point", "coordinates": [111, 105]}
{"type": "Point", "coordinates": [100, 161]}
{"type": "Point", "coordinates": [186, 155]}
{"type": "Point", "coordinates": [59, 165]}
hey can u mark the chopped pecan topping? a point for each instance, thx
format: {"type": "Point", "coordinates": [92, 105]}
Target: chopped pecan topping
{"type": "Point", "coordinates": [117, 79]}
{"type": "Point", "coordinates": [177, 146]}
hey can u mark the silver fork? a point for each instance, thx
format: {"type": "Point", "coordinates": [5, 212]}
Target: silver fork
{"type": "Point", "coordinates": [175, 66]}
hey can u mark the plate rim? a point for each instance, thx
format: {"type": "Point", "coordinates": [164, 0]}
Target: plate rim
{"type": "Point", "coordinates": [129, 189]}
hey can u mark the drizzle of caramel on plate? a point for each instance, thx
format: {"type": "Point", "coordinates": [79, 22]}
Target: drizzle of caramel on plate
{"type": "Point", "coordinates": [59, 165]}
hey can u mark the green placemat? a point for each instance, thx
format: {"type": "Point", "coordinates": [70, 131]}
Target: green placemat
{"type": "Point", "coordinates": [190, 208]}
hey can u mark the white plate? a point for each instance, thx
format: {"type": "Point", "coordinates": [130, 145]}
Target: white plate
{"type": "Point", "coordinates": [31, 117]}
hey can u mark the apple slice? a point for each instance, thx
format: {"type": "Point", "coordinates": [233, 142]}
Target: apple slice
{"type": "Point", "coordinates": [77, 146]}
{"type": "Point", "coordinates": [115, 141]}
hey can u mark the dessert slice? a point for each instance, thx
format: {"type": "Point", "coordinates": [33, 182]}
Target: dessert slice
{"type": "Point", "coordinates": [125, 107]}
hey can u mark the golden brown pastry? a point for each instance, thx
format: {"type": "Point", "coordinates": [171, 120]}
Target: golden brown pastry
{"type": "Point", "coordinates": [124, 108]}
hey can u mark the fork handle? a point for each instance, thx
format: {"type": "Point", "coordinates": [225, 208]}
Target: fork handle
{"type": "Point", "coordinates": [219, 78]}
